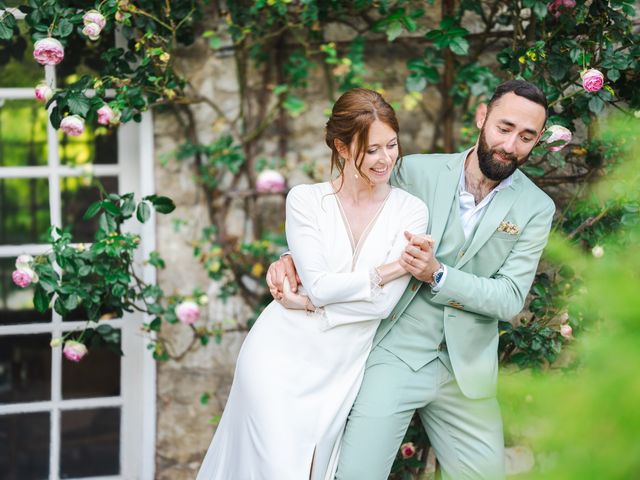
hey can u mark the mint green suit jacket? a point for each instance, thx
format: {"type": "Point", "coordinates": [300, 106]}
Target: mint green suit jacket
{"type": "Point", "coordinates": [491, 279]}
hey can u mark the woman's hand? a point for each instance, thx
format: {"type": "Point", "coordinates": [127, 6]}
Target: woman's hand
{"type": "Point", "coordinates": [292, 300]}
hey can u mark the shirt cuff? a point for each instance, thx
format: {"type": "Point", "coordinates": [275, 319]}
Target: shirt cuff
{"type": "Point", "coordinates": [439, 285]}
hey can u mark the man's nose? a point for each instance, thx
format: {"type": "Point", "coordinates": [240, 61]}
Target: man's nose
{"type": "Point", "coordinates": [509, 145]}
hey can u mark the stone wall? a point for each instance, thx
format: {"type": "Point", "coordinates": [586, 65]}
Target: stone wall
{"type": "Point", "coordinates": [183, 428]}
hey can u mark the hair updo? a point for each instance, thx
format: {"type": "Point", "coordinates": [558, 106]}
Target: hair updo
{"type": "Point", "coordinates": [351, 117]}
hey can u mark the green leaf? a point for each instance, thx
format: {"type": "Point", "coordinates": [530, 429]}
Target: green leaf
{"type": "Point", "coordinates": [294, 105]}
{"type": "Point", "coordinates": [55, 117]}
{"type": "Point", "coordinates": [40, 299]}
{"type": "Point", "coordinates": [93, 209]}
{"type": "Point", "coordinates": [540, 9]}
{"type": "Point", "coordinates": [7, 25]}
{"type": "Point", "coordinates": [613, 74]}
{"type": "Point", "coordinates": [65, 27]}
{"type": "Point", "coordinates": [143, 212]}
{"type": "Point", "coordinates": [78, 104]}
{"type": "Point", "coordinates": [393, 31]}
{"type": "Point", "coordinates": [71, 302]}
{"type": "Point", "coordinates": [111, 208]}
{"type": "Point", "coordinates": [596, 105]}
{"type": "Point", "coordinates": [459, 45]}
{"type": "Point", "coordinates": [163, 204]}
{"type": "Point", "coordinates": [128, 207]}
{"type": "Point", "coordinates": [155, 324]}
{"type": "Point", "coordinates": [415, 83]}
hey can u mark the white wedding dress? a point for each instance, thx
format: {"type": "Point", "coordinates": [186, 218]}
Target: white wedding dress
{"type": "Point", "coordinates": [297, 374]}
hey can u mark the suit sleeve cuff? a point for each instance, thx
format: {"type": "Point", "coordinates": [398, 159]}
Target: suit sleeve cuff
{"type": "Point", "coordinates": [440, 283]}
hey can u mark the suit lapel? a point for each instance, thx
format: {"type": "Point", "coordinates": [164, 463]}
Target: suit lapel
{"type": "Point", "coordinates": [496, 211]}
{"type": "Point", "coordinates": [446, 190]}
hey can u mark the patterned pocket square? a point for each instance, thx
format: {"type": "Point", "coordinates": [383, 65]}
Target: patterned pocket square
{"type": "Point", "coordinates": [508, 227]}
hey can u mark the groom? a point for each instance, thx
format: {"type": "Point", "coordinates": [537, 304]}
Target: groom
{"type": "Point", "coordinates": [437, 351]}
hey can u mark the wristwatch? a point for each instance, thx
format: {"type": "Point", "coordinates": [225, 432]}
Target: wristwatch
{"type": "Point", "coordinates": [437, 276]}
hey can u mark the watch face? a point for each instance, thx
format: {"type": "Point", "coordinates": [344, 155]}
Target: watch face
{"type": "Point", "coordinates": [437, 276]}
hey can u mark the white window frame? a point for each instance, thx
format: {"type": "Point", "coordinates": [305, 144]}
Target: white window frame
{"type": "Point", "coordinates": [137, 399]}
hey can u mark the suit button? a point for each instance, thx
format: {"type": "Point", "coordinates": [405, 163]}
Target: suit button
{"type": "Point", "coordinates": [414, 287]}
{"type": "Point", "coordinates": [461, 254]}
{"type": "Point", "coordinates": [442, 347]}
{"type": "Point", "coordinates": [394, 316]}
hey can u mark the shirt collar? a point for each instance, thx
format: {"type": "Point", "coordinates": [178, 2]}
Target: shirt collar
{"type": "Point", "coordinates": [503, 184]}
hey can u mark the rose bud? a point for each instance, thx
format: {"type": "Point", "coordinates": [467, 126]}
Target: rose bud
{"type": "Point", "coordinates": [92, 30]}
{"type": "Point", "coordinates": [48, 51]}
{"type": "Point", "coordinates": [558, 132]}
{"type": "Point", "coordinates": [407, 450]}
{"type": "Point", "coordinates": [24, 261]}
{"type": "Point", "coordinates": [270, 181]}
{"type": "Point", "coordinates": [21, 278]}
{"type": "Point", "coordinates": [94, 16]}
{"type": "Point", "coordinates": [105, 115]}
{"type": "Point", "coordinates": [188, 312]}
{"type": "Point", "coordinates": [592, 80]}
{"type": "Point", "coordinates": [74, 351]}
{"type": "Point", "coordinates": [43, 92]}
{"type": "Point", "coordinates": [566, 330]}
{"type": "Point", "coordinates": [72, 125]}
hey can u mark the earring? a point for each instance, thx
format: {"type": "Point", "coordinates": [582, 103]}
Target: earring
{"type": "Point", "coordinates": [356, 176]}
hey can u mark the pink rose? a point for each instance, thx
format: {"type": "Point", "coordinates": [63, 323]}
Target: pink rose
{"type": "Point", "coordinates": [92, 30]}
{"type": "Point", "coordinates": [74, 351]}
{"type": "Point", "coordinates": [556, 6]}
{"type": "Point", "coordinates": [21, 278]}
{"type": "Point", "coordinates": [94, 16]}
{"type": "Point", "coordinates": [105, 115]}
{"type": "Point", "coordinates": [407, 450]}
{"type": "Point", "coordinates": [24, 261]}
{"type": "Point", "coordinates": [72, 125]}
{"type": "Point", "coordinates": [566, 330]}
{"type": "Point", "coordinates": [48, 51]}
{"type": "Point", "coordinates": [558, 132]}
{"type": "Point", "coordinates": [270, 181]}
{"type": "Point", "coordinates": [188, 312]}
{"type": "Point", "coordinates": [43, 92]}
{"type": "Point", "coordinates": [592, 80]}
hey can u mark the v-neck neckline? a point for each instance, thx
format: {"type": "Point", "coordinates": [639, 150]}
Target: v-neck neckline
{"type": "Point", "coordinates": [356, 248]}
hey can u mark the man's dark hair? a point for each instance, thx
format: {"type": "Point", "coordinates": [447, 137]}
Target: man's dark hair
{"type": "Point", "coordinates": [522, 89]}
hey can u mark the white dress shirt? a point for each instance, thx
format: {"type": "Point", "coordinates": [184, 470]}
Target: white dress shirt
{"type": "Point", "coordinates": [470, 213]}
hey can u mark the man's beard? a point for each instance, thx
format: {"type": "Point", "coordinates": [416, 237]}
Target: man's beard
{"type": "Point", "coordinates": [493, 169]}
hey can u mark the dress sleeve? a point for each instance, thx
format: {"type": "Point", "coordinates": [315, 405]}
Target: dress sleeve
{"type": "Point", "coordinates": [305, 242]}
{"type": "Point", "coordinates": [415, 220]}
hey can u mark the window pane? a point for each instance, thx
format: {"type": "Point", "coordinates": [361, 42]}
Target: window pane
{"type": "Point", "coordinates": [25, 446]}
{"type": "Point", "coordinates": [97, 145]}
{"type": "Point", "coordinates": [25, 368]}
{"type": "Point", "coordinates": [77, 195]}
{"type": "Point", "coordinates": [21, 70]}
{"type": "Point", "coordinates": [16, 304]}
{"type": "Point", "coordinates": [97, 375]}
{"type": "Point", "coordinates": [23, 133]}
{"type": "Point", "coordinates": [24, 210]}
{"type": "Point", "coordinates": [90, 443]}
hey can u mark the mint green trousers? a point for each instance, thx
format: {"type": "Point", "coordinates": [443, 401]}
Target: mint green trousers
{"type": "Point", "coordinates": [465, 433]}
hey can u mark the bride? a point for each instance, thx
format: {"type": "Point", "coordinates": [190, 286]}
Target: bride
{"type": "Point", "coordinates": [301, 364]}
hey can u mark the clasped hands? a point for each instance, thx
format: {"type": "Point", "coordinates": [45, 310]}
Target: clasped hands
{"type": "Point", "coordinates": [419, 258]}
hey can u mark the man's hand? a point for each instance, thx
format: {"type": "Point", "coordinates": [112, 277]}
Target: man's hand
{"type": "Point", "coordinates": [277, 272]}
{"type": "Point", "coordinates": [418, 257]}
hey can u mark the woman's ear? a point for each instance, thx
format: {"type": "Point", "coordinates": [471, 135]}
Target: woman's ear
{"type": "Point", "coordinates": [342, 149]}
